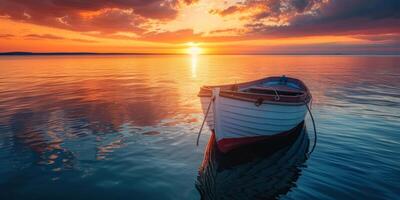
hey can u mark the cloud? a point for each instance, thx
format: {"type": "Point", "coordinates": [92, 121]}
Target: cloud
{"type": "Point", "coordinates": [252, 19]}
{"type": "Point", "coordinates": [228, 11]}
{"type": "Point", "coordinates": [83, 40]}
{"type": "Point", "coordinates": [6, 35]}
{"type": "Point", "coordinates": [383, 38]}
{"type": "Point", "coordinates": [44, 36]}
{"type": "Point", "coordinates": [262, 9]}
{"type": "Point", "coordinates": [183, 35]}
{"type": "Point", "coordinates": [100, 15]}
{"type": "Point", "coordinates": [54, 37]}
{"type": "Point", "coordinates": [292, 18]}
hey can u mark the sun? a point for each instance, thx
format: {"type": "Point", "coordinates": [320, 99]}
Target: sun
{"type": "Point", "coordinates": [194, 48]}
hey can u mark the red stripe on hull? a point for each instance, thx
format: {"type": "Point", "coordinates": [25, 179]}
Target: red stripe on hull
{"type": "Point", "coordinates": [227, 144]}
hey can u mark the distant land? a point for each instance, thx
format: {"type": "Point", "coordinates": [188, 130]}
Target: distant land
{"type": "Point", "coordinates": [23, 53]}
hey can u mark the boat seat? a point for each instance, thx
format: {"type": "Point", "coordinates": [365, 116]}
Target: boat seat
{"type": "Point", "coordinates": [281, 89]}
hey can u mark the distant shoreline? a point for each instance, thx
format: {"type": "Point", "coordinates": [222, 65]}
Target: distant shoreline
{"type": "Point", "coordinates": [21, 53]}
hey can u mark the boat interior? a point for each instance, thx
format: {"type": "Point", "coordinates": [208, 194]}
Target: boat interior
{"type": "Point", "coordinates": [281, 86]}
{"type": "Point", "coordinates": [271, 86]}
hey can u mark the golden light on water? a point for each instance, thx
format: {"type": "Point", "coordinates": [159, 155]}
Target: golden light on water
{"type": "Point", "coordinates": [194, 50]}
{"type": "Point", "coordinates": [194, 65]}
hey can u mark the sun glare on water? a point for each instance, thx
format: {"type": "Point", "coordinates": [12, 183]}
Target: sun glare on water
{"type": "Point", "coordinates": [194, 50]}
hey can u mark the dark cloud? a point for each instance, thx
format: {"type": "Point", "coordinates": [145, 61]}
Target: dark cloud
{"type": "Point", "coordinates": [54, 37]}
{"type": "Point", "coordinates": [99, 15]}
{"type": "Point", "coordinates": [383, 38]}
{"type": "Point", "coordinates": [44, 36]}
{"type": "Point", "coordinates": [262, 18]}
{"type": "Point", "coordinates": [342, 10]}
{"type": "Point", "coordinates": [301, 5]}
{"type": "Point", "coordinates": [6, 35]}
{"type": "Point", "coordinates": [317, 17]}
{"type": "Point", "coordinates": [260, 9]}
{"type": "Point", "coordinates": [346, 27]}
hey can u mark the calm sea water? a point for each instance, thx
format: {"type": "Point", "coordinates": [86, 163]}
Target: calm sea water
{"type": "Point", "coordinates": [124, 127]}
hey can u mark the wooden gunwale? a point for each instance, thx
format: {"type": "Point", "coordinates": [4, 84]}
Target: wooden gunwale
{"type": "Point", "coordinates": [228, 91]}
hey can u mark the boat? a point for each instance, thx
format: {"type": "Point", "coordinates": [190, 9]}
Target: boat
{"type": "Point", "coordinates": [266, 169]}
{"type": "Point", "coordinates": [243, 113]}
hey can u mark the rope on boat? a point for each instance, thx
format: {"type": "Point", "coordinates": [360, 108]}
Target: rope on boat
{"type": "Point", "coordinates": [204, 121]}
{"type": "Point", "coordinates": [277, 97]}
{"type": "Point", "coordinates": [261, 100]}
{"type": "Point", "coordinates": [315, 130]}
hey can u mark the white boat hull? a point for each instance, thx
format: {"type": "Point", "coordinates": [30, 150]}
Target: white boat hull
{"type": "Point", "coordinates": [236, 122]}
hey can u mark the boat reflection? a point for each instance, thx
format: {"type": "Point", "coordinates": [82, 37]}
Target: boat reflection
{"type": "Point", "coordinates": [265, 170]}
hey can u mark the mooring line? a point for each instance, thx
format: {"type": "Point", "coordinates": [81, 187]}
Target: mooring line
{"type": "Point", "coordinates": [315, 131]}
{"type": "Point", "coordinates": [205, 118]}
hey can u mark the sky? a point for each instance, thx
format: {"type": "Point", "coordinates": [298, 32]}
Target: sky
{"type": "Point", "coordinates": [201, 26]}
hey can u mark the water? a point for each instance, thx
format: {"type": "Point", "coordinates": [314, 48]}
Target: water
{"type": "Point", "coordinates": [119, 127]}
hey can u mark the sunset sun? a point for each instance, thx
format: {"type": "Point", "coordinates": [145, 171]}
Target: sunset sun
{"type": "Point", "coordinates": [194, 49]}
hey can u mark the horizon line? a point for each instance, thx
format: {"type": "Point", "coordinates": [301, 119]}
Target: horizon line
{"type": "Point", "coordinates": [28, 53]}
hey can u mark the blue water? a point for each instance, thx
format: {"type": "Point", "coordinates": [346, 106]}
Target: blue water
{"type": "Point", "coordinates": [124, 127]}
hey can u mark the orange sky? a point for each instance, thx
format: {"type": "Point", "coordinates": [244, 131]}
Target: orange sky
{"type": "Point", "coordinates": [175, 26]}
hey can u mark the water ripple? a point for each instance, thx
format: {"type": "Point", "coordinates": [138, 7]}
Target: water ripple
{"type": "Point", "coordinates": [115, 127]}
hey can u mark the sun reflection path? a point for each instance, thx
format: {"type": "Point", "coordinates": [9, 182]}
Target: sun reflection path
{"type": "Point", "coordinates": [194, 65]}
{"type": "Point", "coordinates": [194, 50]}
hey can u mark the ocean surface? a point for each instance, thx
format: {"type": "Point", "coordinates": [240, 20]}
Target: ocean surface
{"type": "Point", "coordinates": [125, 127]}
